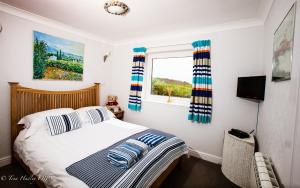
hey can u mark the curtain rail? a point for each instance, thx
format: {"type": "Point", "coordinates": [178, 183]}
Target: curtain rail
{"type": "Point", "coordinates": [170, 45]}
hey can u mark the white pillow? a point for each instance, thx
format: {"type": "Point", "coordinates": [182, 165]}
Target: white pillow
{"type": "Point", "coordinates": [36, 121]}
{"type": "Point", "coordinates": [85, 117]}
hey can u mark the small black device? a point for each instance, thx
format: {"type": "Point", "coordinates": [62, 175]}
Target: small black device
{"type": "Point", "coordinates": [252, 87]}
{"type": "Point", "coordinates": [238, 133]}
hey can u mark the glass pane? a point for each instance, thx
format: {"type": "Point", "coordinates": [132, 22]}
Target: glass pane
{"type": "Point", "coordinates": [172, 75]}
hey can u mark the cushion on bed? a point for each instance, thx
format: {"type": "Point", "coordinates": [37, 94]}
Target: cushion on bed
{"type": "Point", "coordinates": [36, 121]}
{"type": "Point", "coordinates": [63, 123]}
{"type": "Point", "coordinates": [98, 115]}
{"type": "Point", "coordinates": [85, 117]}
{"type": "Point", "coordinates": [31, 118]}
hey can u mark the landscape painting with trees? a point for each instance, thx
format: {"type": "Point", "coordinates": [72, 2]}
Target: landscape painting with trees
{"type": "Point", "coordinates": [56, 58]}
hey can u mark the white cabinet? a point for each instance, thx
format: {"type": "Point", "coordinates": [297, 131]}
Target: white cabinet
{"type": "Point", "coordinates": [237, 158]}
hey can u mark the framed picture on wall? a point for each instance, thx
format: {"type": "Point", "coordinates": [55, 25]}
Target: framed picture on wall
{"type": "Point", "coordinates": [283, 47]}
{"type": "Point", "coordinates": [56, 58]}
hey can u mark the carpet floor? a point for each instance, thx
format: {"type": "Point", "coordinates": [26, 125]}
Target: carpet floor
{"type": "Point", "coordinates": [190, 173]}
{"type": "Point", "coordinates": [196, 173]}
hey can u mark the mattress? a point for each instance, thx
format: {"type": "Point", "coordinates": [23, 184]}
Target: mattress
{"type": "Point", "coordinates": [48, 156]}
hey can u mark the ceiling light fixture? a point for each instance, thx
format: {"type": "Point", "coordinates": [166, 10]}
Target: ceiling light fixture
{"type": "Point", "coordinates": [116, 7]}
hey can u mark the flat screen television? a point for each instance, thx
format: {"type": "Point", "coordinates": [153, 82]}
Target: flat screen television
{"type": "Point", "coordinates": [252, 87]}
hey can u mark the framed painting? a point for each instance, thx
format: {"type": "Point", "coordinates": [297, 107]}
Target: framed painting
{"type": "Point", "coordinates": [283, 47]}
{"type": "Point", "coordinates": [56, 58]}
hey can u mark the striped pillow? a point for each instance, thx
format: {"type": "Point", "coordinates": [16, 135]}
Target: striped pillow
{"type": "Point", "coordinates": [98, 115]}
{"type": "Point", "coordinates": [63, 123]}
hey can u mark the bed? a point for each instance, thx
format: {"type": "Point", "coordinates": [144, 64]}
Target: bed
{"type": "Point", "coordinates": [47, 157]}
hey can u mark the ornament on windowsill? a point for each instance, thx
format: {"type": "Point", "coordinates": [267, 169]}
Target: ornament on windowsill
{"type": "Point", "coordinates": [169, 90]}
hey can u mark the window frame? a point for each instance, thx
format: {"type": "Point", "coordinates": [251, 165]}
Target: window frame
{"type": "Point", "coordinates": [148, 77]}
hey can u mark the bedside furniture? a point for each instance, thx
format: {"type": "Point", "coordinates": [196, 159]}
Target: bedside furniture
{"type": "Point", "coordinates": [237, 159]}
{"type": "Point", "coordinates": [119, 115]}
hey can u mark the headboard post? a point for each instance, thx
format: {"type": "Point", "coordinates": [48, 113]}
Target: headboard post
{"type": "Point", "coordinates": [13, 112]}
{"type": "Point", "coordinates": [97, 87]}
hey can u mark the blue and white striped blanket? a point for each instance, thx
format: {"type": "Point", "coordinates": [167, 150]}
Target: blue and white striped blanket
{"type": "Point", "coordinates": [96, 171]}
{"type": "Point", "coordinates": [127, 154]}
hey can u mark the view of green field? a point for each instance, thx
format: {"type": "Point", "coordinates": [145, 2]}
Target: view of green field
{"type": "Point", "coordinates": [159, 86]}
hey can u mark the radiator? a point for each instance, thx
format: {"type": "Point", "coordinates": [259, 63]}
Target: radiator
{"type": "Point", "coordinates": [262, 174]}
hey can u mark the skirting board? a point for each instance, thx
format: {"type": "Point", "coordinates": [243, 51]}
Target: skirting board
{"type": "Point", "coordinates": [205, 156]}
{"type": "Point", "coordinates": [5, 161]}
{"type": "Point", "coordinates": [201, 155]}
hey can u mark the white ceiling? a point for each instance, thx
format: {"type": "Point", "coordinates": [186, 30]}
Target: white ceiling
{"type": "Point", "coordinates": [146, 17]}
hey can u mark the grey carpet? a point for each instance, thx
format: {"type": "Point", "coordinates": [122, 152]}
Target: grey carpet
{"type": "Point", "coordinates": [196, 173]}
{"type": "Point", "coordinates": [190, 173]}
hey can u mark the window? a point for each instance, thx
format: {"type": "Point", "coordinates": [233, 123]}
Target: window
{"type": "Point", "coordinates": [170, 73]}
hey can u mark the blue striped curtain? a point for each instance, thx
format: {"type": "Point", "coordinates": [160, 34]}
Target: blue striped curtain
{"type": "Point", "coordinates": [201, 99]}
{"type": "Point", "coordinates": [137, 77]}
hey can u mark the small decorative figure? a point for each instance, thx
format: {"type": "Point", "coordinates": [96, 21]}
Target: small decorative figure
{"type": "Point", "coordinates": [169, 90]}
{"type": "Point", "coordinates": [112, 103]}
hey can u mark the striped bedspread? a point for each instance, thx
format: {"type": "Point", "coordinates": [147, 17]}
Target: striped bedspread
{"type": "Point", "coordinates": [96, 171]}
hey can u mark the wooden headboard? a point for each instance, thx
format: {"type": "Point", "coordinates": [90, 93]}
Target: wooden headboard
{"type": "Point", "coordinates": [26, 101]}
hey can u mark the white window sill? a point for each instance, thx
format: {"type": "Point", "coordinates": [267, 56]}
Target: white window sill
{"type": "Point", "coordinates": [183, 104]}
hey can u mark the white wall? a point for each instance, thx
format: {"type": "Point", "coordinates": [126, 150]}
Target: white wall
{"type": "Point", "coordinates": [295, 181]}
{"type": "Point", "coordinates": [16, 49]}
{"type": "Point", "coordinates": [235, 53]}
{"type": "Point", "coordinates": [278, 112]}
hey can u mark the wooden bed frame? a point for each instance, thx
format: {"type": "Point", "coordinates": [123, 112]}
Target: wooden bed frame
{"type": "Point", "coordinates": [26, 101]}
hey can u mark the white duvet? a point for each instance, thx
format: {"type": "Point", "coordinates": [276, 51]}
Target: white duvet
{"type": "Point", "coordinates": [48, 156]}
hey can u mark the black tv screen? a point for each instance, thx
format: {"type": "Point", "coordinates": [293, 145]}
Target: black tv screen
{"type": "Point", "coordinates": [252, 87]}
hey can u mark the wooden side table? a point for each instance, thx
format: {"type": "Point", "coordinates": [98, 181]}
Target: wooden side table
{"type": "Point", "coordinates": [237, 159]}
{"type": "Point", "coordinates": [119, 115]}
